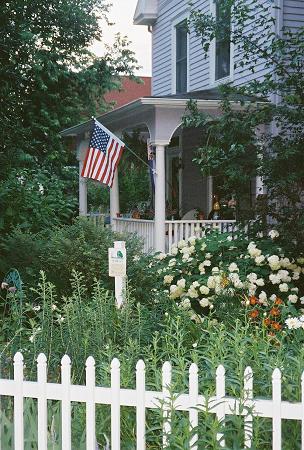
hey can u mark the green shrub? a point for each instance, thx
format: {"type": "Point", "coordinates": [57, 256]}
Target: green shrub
{"type": "Point", "coordinates": [58, 251]}
{"type": "Point", "coordinates": [233, 278]}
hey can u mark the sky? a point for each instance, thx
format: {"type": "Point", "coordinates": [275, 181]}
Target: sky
{"type": "Point", "coordinates": [122, 13]}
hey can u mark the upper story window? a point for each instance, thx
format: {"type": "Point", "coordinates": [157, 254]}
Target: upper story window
{"type": "Point", "coordinates": [181, 57]}
{"type": "Point", "coordinates": [222, 44]}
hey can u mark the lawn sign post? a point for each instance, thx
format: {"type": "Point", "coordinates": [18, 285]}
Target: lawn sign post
{"type": "Point", "coordinates": [118, 269]}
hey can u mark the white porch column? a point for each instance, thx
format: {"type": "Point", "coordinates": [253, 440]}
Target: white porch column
{"type": "Point", "coordinates": [82, 183]}
{"type": "Point", "coordinates": [83, 193]}
{"type": "Point", "coordinates": [114, 200]}
{"type": "Point", "coordinates": [160, 200]}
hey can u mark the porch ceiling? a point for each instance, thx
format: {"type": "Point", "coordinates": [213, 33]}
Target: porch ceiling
{"type": "Point", "coordinates": [161, 115]}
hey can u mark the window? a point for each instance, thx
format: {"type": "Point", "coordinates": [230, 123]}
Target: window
{"type": "Point", "coordinates": [181, 56]}
{"type": "Point", "coordinates": [222, 43]}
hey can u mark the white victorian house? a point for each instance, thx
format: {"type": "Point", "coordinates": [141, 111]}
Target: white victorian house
{"type": "Point", "coordinates": [180, 72]}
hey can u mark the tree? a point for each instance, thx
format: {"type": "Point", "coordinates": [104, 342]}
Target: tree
{"type": "Point", "coordinates": [49, 80]}
{"type": "Point", "coordinates": [238, 142]}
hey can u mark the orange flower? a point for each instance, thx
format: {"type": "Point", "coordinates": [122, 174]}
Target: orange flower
{"type": "Point", "coordinates": [253, 300]}
{"type": "Point", "coordinates": [254, 314]}
{"type": "Point", "coordinates": [267, 321]}
{"type": "Point", "coordinates": [276, 326]}
{"type": "Point", "coordinates": [278, 301]}
{"type": "Point", "coordinates": [275, 312]}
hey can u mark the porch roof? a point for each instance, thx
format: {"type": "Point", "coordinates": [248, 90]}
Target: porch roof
{"type": "Point", "coordinates": [161, 115]}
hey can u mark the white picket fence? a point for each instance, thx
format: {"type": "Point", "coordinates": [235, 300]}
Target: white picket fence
{"type": "Point", "coordinates": [191, 402]}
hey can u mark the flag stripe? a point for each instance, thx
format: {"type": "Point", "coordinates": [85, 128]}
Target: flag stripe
{"type": "Point", "coordinates": [115, 164]}
{"type": "Point", "coordinates": [109, 169]}
{"type": "Point", "coordinates": [113, 174]}
{"type": "Point", "coordinates": [105, 163]}
{"type": "Point", "coordinates": [102, 156]}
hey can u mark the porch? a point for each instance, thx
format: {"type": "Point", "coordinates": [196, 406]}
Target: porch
{"type": "Point", "coordinates": [160, 120]}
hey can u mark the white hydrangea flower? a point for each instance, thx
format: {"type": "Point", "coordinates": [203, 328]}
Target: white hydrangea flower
{"type": "Point", "coordinates": [229, 238]}
{"type": "Point", "coordinates": [273, 297]}
{"type": "Point", "coordinates": [253, 250]}
{"type": "Point", "coordinates": [252, 289]}
{"type": "Point", "coordinates": [201, 268]}
{"type": "Point", "coordinates": [295, 276]}
{"type": "Point", "coordinates": [204, 290]}
{"type": "Point", "coordinates": [204, 302]}
{"type": "Point", "coordinates": [260, 282]}
{"type": "Point", "coordinates": [238, 284]}
{"type": "Point", "coordinates": [211, 282]}
{"type": "Point", "coordinates": [192, 292]}
{"type": "Point", "coordinates": [207, 263]}
{"type": "Point", "coordinates": [234, 277]}
{"type": "Point", "coordinates": [302, 300]}
{"type": "Point", "coordinates": [203, 246]}
{"type": "Point", "coordinates": [284, 275]}
{"type": "Point", "coordinates": [182, 244]}
{"type": "Point", "coordinates": [168, 279]}
{"type": "Point", "coordinates": [274, 262]}
{"type": "Point", "coordinates": [274, 278]}
{"type": "Point", "coordinates": [295, 289]}
{"type": "Point", "coordinates": [252, 277]}
{"type": "Point", "coordinates": [192, 240]}
{"type": "Point", "coordinates": [233, 267]}
{"type": "Point", "coordinates": [195, 284]}
{"type": "Point", "coordinates": [185, 250]}
{"type": "Point", "coordinates": [174, 251]}
{"type": "Point", "coordinates": [161, 256]}
{"type": "Point", "coordinates": [263, 296]}
{"type": "Point", "coordinates": [191, 250]}
{"type": "Point", "coordinates": [273, 234]}
{"type": "Point", "coordinates": [208, 256]}
{"type": "Point", "coordinates": [259, 260]}
{"type": "Point", "coordinates": [283, 287]}
{"type": "Point", "coordinates": [215, 270]}
{"type": "Point", "coordinates": [285, 263]}
{"type": "Point", "coordinates": [172, 262]}
{"type": "Point", "coordinates": [186, 303]}
{"type": "Point", "coordinates": [293, 298]}
{"type": "Point", "coordinates": [181, 283]}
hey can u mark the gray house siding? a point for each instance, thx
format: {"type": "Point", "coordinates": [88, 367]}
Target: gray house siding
{"type": "Point", "coordinates": [199, 65]}
{"type": "Point", "coordinates": [293, 14]}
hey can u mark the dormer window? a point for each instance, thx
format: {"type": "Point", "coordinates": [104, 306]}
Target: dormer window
{"type": "Point", "coordinates": [181, 56]}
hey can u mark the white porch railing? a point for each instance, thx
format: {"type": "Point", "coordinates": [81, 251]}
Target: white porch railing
{"type": "Point", "coordinates": [176, 230]}
{"type": "Point", "coordinates": [183, 229]}
{"type": "Point", "coordinates": [192, 402]}
{"type": "Point", "coordinates": [143, 228]}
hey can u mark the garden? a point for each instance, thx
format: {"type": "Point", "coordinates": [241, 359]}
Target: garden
{"type": "Point", "coordinates": [221, 299]}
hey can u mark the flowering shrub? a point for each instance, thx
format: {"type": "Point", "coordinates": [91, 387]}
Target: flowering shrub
{"type": "Point", "coordinates": [226, 274]}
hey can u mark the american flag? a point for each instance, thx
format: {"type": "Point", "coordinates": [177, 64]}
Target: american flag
{"type": "Point", "coordinates": [102, 156]}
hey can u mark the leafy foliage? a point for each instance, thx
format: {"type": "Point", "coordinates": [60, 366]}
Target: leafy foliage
{"type": "Point", "coordinates": [270, 134]}
{"type": "Point", "coordinates": [81, 246]}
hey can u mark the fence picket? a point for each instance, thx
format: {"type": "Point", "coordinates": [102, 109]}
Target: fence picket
{"type": "Point", "coordinates": [166, 386]}
{"type": "Point", "coordinates": [115, 405]}
{"type": "Point", "coordinates": [140, 406]}
{"type": "Point", "coordinates": [42, 401]}
{"type": "Point", "coordinates": [141, 400]}
{"type": "Point", "coordinates": [18, 402]}
{"type": "Point", "coordinates": [90, 404]}
{"type": "Point", "coordinates": [193, 397]}
{"type": "Point", "coordinates": [248, 396]}
{"type": "Point", "coordinates": [276, 421]}
{"type": "Point", "coordinates": [66, 402]}
{"type": "Point", "coordinates": [220, 406]}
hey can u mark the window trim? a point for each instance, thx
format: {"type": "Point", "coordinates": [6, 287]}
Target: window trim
{"type": "Point", "coordinates": [176, 21]}
{"type": "Point", "coordinates": [212, 58]}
